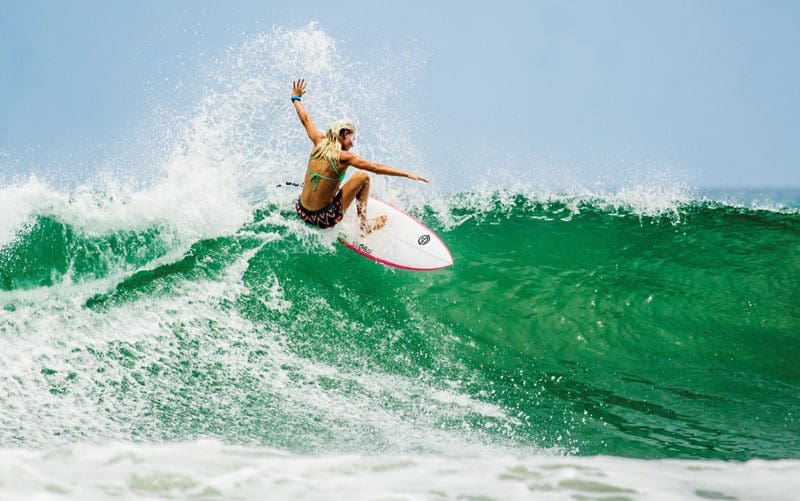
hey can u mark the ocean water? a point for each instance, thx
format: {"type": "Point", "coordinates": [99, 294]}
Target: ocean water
{"type": "Point", "coordinates": [190, 337]}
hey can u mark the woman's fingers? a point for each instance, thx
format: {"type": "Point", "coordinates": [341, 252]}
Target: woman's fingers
{"type": "Point", "coordinates": [299, 86]}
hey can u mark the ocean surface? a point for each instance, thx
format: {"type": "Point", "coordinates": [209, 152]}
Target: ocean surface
{"type": "Point", "coordinates": [188, 336]}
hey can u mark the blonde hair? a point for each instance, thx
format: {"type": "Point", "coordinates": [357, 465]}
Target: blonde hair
{"type": "Point", "coordinates": [331, 148]}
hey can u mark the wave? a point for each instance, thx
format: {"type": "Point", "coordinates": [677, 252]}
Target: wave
{"type": "Point", "coordinates": [564, 325]}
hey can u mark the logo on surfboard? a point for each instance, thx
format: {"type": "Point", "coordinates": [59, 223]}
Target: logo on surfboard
{"type": "Point", "coordinates": [424, 239]}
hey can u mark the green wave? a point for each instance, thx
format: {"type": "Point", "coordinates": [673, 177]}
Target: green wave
{"type": "Point", "coordinates": [47, 251]}
{"type": "Point", "coordinates": [589, 326]}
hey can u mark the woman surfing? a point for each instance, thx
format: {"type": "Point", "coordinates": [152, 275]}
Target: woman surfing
{"type": "Point", "coordinates": [322, 202]}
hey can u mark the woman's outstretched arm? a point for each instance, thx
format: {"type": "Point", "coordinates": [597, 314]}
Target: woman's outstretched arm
{"type": "Point", "coordinates": [298, 89]}
{"type": "Point", "coordinates": [383, 169]}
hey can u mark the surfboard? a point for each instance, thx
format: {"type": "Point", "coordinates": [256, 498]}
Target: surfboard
{"type": "Point", "coordinates": [404, 242]}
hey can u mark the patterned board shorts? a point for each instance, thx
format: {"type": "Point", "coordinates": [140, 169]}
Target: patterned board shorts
{"type": "Point", "coordinates": [325, 217]}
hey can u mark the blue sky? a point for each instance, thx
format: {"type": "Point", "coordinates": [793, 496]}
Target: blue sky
{"type": "Point", "coordinates": [711, 89]}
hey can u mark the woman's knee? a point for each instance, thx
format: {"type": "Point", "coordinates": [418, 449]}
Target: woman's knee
{"type": "Point", "coordinates": [361, 177]}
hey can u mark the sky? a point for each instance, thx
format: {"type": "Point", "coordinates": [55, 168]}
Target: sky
{"type": "Point", "coordinates": [710, 89]}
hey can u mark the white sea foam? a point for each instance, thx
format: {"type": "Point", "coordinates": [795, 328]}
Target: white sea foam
{"type": "Point", "coordinates": [211, 470]}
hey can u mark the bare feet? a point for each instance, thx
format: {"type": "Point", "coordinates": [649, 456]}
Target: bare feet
{"type": "Point", "coordinates": [375, 224]}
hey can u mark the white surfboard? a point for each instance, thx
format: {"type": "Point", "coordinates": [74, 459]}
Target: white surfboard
{"type": "Point", "coordinates": [403, 242]}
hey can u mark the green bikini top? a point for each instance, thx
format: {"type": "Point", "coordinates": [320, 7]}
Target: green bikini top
{"type": "Point", "coordinates": [316, 177]}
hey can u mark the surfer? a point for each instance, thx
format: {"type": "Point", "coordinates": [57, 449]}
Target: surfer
{"type": "Point", "coordinates": [322, 202]}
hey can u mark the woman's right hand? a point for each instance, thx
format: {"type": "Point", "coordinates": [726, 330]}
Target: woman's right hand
{"type": "Point", "coordinates": [416, 177]}
{"type": "Point", "coordinates": [299, 87]}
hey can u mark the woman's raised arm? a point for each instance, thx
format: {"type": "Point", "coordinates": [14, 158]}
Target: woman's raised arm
{"type": "Point", "coordinates": [298, 89]}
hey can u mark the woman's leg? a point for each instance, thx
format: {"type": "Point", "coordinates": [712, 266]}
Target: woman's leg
{"type": "Point", "coordinates": [357, 188]}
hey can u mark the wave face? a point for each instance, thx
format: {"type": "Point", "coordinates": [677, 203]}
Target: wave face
{"type": "Point", "coordinates": [569, 325]}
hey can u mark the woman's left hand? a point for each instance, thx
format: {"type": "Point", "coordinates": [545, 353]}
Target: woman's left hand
{"type": "Point", "coordinates": [416, 177]}
{"type": "Point", "coordinates": [299, 87]}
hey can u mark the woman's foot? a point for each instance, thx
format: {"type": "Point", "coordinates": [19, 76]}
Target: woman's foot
{"type": "Point", "coordinates": [375, 224]}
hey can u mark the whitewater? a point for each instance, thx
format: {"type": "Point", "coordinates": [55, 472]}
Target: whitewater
{"type": "Point", "coordinates": [171, 329]}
